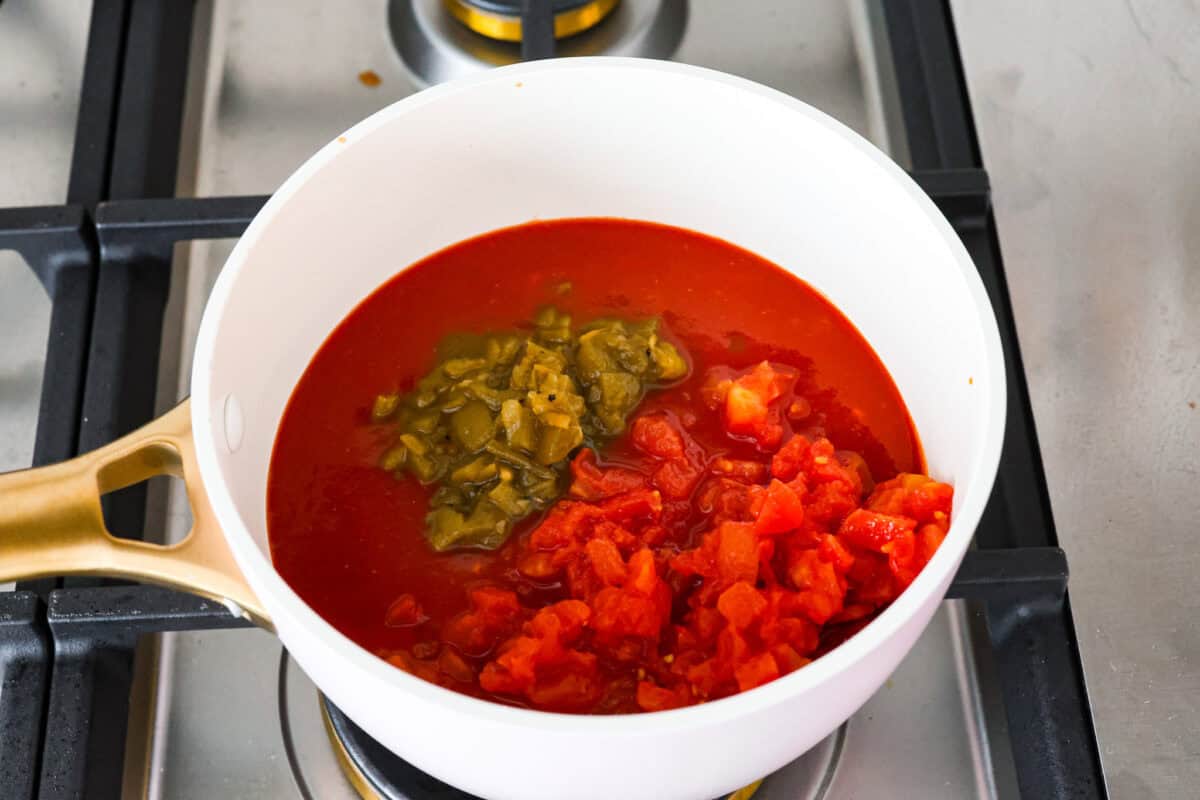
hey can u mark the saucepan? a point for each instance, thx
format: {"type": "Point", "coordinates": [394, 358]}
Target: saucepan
{"type": "Point", "coordinates": [586, 137]}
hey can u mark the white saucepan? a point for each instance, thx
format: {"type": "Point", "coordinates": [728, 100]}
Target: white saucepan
{"type": "Point", "coordinates": [581, 137]}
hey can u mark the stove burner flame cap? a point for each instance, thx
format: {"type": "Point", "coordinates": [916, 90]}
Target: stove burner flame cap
{"type": "Point", "coordinates": [501, 19]}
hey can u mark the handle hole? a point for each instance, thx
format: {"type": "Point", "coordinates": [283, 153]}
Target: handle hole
{"type": "Point", "coordinates": [142, 493]}
{"type": "Point", "coordinates": [147, 510]}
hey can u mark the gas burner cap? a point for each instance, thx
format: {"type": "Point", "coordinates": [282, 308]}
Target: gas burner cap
{"type": "Point", "coordinates": [375, 772]}
{"type": "Point", "coordinates": [501, 19]}
{"type": "Point", "coordinates": [436, 43]}
{"type": "Point", "coordinates": [378, 774]}
{"type": "Point", "coordinates": [333, 759]}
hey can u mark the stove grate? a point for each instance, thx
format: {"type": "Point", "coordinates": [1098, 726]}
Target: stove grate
{"type": "Point", "coordinates": [66, 645]}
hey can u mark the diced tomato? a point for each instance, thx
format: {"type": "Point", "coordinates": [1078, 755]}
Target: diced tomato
{"type": "Point", "coordinates": [728, 500]}
{"type": "Point", "coordinates": [766, 552]}
{"type": "Point", "coordinates": [819, 607]}
{"type": "Point", "coordinates": [871, 530]}
{"type": "Point", "coordinates": [856, 464]}
{"type": "Point", "coordinates": [831, 550]}
{"type": "Point", "coordinates": [656, 698]}
{"type": "Point", "coordinates": [426, 670]}
{"type": "Point", "coordinates": [748, 400]}
{"type": "Point", "coordinates": [739, 469]}
{"type": "Point", "coordinates": [705, 677]}
{"type": "Point", "coordinates": [782, 510]}
{"type": "Point", "coordinates": [829, 503]}
{"type": "Point", "coordinates": [569, 691]}
{"type": "Point", "coordinates": [643, 574]}
{"type": "Point", "coordinates": [639, 608]}
{"type": "Point", "coordinates": [654, 434]}
{"type": "Point", "coordinates": [744, 409]}
{"type": "Point", "coordinates": [600, 564]}
{"type": "Point", "coordinates": [590, 482]}
{"type": "Point", "coordinates": [929, 539]}
{"type": "Point", "coordinates": [404, 612]}
{"type": "Point", "coordinates": [787, 659]}
{"type": "Point", "coordinates": [916, 496]}
{"type": "Point", "coordinates": [789, 461]}
{"type": "Point", "coordinates": [732, 649]}
{"type": "Point", "coordinates": [639, 503]}
{"type": "Point", "coordinates": [540, 664]}
{"type": "Point", "coordinates": [852, 611]}
{"type": "Point", "coordinates": [716, 387]}
{"type": "Point", "coordinates": [616, 533]}
{"type": "Point", "coordinates": [606, 561]}
{"type": "Point", "coordinates": [678, 456]}
{"type": "Point", "coordinates": [455, 666]}
{"type": "Point", "coordinates": [494, 612]}
{"type": "Point", "coordinates": [538, 565]}
{"type": "Point", "coordinates": [676, 479]}
{"type": "Point", "coordinates": [929, 500]}
{"type": "Point", "coordinates": [568, 522]}
{"type": "Point", "coordinates": [621, 614]}
{"type": "Point", "coordinates": [707, 623]}
{"type": "Point", "coordinates": [798, 633]}
{"type": "Point", "coordinates": [826, 467]}
{"type": "Point", "coordinates": [821, 589]}
{"type": "Point", "coordinates": [741, 604]}
{"type": "Point", "coordinates": [564, 621]}
{"type": "Point", "coordinates": [700, 561]}
{"type": "Point", "coordinates": [655, 534]}
{"type": "Point", "coordinates": [871, 582]}
{"type": "Point", "coordinates": [901, 552]}
{"type": "Point", "coordinates": [835, 483]}
{"type": "Point", "coordinates": [756, 671]}
{"type": "Point", "coordinates": [495, 604]}
{"type": "Point", "coordinates": [737, 552]}
{"type": "Point", "coordinates": [766, 381]}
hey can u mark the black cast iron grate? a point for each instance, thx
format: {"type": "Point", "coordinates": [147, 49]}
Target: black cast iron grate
{"type": "Point", "coordinates": [66, 645]}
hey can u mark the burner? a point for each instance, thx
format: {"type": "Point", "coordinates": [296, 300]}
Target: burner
{"type": "Point", "coordinates": [438, 40]}
{"type": "Point", "coordinates": [378, 774]}
{"type": "Point", "coordinates": [501, 19]}
{"type": "Point", "coordinates": [332, 759]}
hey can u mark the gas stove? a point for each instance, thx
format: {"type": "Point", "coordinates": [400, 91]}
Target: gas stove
{"type": "Point", "coordinates": [163, 125]}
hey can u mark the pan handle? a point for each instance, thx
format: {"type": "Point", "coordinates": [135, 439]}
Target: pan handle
{"type": "Point", "coordinates": [51, 523]}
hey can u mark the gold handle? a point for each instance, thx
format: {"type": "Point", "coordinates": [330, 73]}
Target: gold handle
{"type": "Point", "coordinates": [51, 523]}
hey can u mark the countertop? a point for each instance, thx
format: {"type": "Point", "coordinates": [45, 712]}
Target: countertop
{"type": "Point", "coordinates": [1087, 114]}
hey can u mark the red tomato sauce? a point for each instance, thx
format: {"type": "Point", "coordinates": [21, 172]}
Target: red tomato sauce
{"type": "Point", "coordinates": [732, 535]}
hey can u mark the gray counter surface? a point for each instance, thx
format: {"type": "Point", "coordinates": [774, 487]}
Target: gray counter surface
{"type": "Point", "coordinates": [1088, 116]}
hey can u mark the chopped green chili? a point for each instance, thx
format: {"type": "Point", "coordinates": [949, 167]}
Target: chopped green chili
{"type": "Point", "coordinates": [495, 422]}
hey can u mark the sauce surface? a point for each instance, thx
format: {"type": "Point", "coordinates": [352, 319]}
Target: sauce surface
{"type": "Point", "coordinates": [347, 535]}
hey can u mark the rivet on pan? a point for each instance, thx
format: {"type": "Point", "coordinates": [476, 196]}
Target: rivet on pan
{"type": "Point", "coordinates": [234, 423]}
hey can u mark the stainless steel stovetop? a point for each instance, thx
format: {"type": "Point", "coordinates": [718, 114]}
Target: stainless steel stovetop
{"type": "Point", "coordinates": [220, 713]}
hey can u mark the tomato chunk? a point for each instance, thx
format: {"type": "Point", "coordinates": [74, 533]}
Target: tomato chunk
{"type": "Point", "coordinates": [749, 399]}
{"type": "Point", "coordinates": [591, 482]}
{"type": "Point", "coordinates": [756, 671]}
{"type": "Point", "coordinates": [745, 409]}
{"type": "Point", "coordinates": [737, 552]}
{"type": "Point", "coordinates": [782, 510]}
{"type": "Point", "coordinates": [404, 612]}
{"type": "Point", "coordinates": [656, 698]}
{"type": "Point", "coordinates": [655, 434]}
{"type": "Point", "coordinates": [741, 604]}
{"type": "Point", "coordinates": [871, 530]}
{"type": "Point", "coordinates": [541, 665]}
{"type": "Point", "coordinates": [493, 613]}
